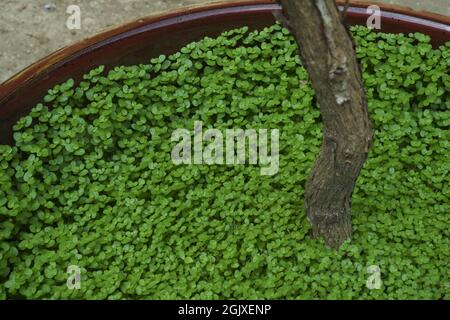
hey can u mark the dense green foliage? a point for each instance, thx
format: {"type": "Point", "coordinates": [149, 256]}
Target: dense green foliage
{"type": "Point", "coordinates": [90, 181]}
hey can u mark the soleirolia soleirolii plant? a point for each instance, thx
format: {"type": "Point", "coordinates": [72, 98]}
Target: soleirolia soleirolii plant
{"type": "Point", "coordinates": [89, 181]}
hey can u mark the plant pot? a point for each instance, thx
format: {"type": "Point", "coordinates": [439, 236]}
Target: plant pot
{"type": "Point", "coordinates": [166, 33]}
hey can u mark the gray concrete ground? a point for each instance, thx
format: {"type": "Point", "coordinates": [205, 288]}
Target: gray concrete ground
{"type": "Point", "coordinates": [30, 30]}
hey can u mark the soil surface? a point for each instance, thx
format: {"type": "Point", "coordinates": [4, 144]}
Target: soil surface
{"type": "Point", "coordinates": [30, 30]}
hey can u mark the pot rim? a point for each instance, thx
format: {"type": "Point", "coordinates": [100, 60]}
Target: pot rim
{"type": "Point", "coordinates": [70, 53]}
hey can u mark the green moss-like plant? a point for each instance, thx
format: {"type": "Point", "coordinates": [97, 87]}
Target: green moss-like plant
{"type": "Point", "coordinates": [90, 182]}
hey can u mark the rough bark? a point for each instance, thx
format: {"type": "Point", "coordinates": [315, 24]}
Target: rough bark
{"type": "Point", "coordinates": [328, 54]}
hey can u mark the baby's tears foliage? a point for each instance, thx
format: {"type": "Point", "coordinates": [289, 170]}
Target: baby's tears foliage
{"type": "Point", "coordinates": [90, 182]}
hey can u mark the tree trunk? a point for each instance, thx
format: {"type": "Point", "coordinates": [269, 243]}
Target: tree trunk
{"type": "Point", "coordinates": [328, 54]}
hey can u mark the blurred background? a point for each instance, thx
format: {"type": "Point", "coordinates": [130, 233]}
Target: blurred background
{"type": "Point", "coordinates": [30, 30]}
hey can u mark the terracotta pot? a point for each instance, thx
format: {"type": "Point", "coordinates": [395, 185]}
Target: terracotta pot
{"type": "Point", "coordinates": [166, 33]}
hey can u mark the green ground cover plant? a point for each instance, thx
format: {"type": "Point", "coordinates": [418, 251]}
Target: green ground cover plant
{"type": "Point", "coordinates": [90, 182]}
